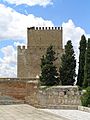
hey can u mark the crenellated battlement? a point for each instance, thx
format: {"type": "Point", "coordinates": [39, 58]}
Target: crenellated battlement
{"type": "Point", "coordinates": [38, 40]}
{"type": "Point", "coordinates": [22, 47]}
{"type": "Point", "coordinates": [45, 28]}
{"type": "Point", "coordinates": [44, 36]}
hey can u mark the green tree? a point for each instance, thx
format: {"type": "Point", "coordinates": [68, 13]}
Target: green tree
{"type": "Point", "coordinates": [87, 66]}
{"type": "Point", "coordinates": [68, 64]}
{"type": "Point", "coordinates": [49, 74]}
{"type": "Point", "coordinates": [82, 50]}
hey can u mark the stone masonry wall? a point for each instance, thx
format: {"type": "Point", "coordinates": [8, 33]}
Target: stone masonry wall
{"type": "Point", "coordinates": [56, 97]}
{"type": "Point", "coordinates": [44, 36]}
{"type": "Point", "coordinates": [38, 40]}
{"type": "Point", "coordinates": [17, 88]}
{"type": "Point", "coordinates": [43, 97]}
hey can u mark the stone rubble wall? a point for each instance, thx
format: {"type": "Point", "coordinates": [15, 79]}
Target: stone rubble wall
{"type": "Point", "coordinates": [65, 97]}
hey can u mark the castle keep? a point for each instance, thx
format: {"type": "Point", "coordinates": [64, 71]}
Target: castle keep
{"type": "Point", "coordinates": [38, 40]}
{"type": "Point", "coordinates": [25, 88]}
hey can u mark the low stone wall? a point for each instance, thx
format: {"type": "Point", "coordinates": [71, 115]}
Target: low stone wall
{"type": "Point", "coordinates": [64, 97]}
{"type": "Point", "coordinates": [85, 109]}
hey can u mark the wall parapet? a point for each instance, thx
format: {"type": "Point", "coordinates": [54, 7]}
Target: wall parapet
{"type": "Point", "coordinates": [19, 79]}
{"type": "Point", "coordinates": [28, 89]}
{"type": "Point", "coordinates": [17, 88]}
{"type": "Point", "coordinates": [63, 97]}
{"type": "Point", "coordinates": [44, 28]}
{"type": "Point", "coordinates": [22, 47]}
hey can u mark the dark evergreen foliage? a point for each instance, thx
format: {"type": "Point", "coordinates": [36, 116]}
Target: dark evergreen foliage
{"type": "Point", "coordinates": [82, 50]}
{"type": "Point", "coordinates": [68, 64]}
{"type": "Point", "coordinates": [49, 75]}
{"type": "Point", "coordinates": [87, 66]}
{"type": "Point", "coordinates": [85, 98]}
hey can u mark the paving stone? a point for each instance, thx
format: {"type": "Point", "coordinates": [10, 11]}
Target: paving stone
{"type": "Point", "coordinates": [70, 114]}
{"type": "Point", "coordinates": [25, 112]}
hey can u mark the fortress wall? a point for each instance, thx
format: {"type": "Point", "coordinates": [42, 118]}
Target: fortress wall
{"type": "Point", "coordinates": [64, 97]}
{"type": "Point", "coordinates": [56, 97]}
{"type": "Point", "coordinates": [17, 88]}
{"type": "Point", "coordinates": [22, 62]}
{"type": "Point", "coordinates": [47, 36]}
{"type": "Point", "coordinates": [39, 39]}
{"type": "Point", "coordinates": [34, 59]}
{"type": "Point", "coordinates": [29, 61]}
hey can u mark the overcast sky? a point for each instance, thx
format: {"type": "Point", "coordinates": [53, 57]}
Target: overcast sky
{"type": "Point", "coordinates": [17, 15]}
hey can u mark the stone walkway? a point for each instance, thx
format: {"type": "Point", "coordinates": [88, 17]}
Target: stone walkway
{"type": "Point", "coordinates": [25, 112]}
{"type": "Point", "coordinates": [71, 114]}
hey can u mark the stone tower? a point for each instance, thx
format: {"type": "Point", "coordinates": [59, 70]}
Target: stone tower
{"type": "Point", "coordinates": [39, 39]}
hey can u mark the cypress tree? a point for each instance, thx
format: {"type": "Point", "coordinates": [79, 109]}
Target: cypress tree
{"type": "Point", "coordinates": [49, 75]}
{"type": "Point", "coordinates": [82, 49]}
{"type": "Point", "coordinates": [87, 66]}
{"type": "Point", "coordinates": [68, 64]}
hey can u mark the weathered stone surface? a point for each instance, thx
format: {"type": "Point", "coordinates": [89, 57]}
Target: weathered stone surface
{"type": "Point", "coordinates": [26, 112]}
{"type": "Point", "coordinates": [29, 91]}
{"type": "Point", "coordinates": [57, 96]}
{"type": "Point", "coordinates": [70, 114]}
{"type": "Point", "coordinates": [28, 59]}
{"type": "Point", "coordinates": [85, 109]}
{"type": "Point", "coordinates": [17, 88]}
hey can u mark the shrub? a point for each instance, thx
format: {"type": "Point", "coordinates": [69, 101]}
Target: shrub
{"type": "Point", "coordinates": [85, 98]}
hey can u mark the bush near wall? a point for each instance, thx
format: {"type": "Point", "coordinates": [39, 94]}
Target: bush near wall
{"type": "Point", "coordinates": [85, 98]}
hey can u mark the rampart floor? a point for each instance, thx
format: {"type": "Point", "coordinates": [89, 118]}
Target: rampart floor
{"type": "Point", "coordinates": [27, 112]}
{"type": "Point", "coordinates": [71, 114]}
